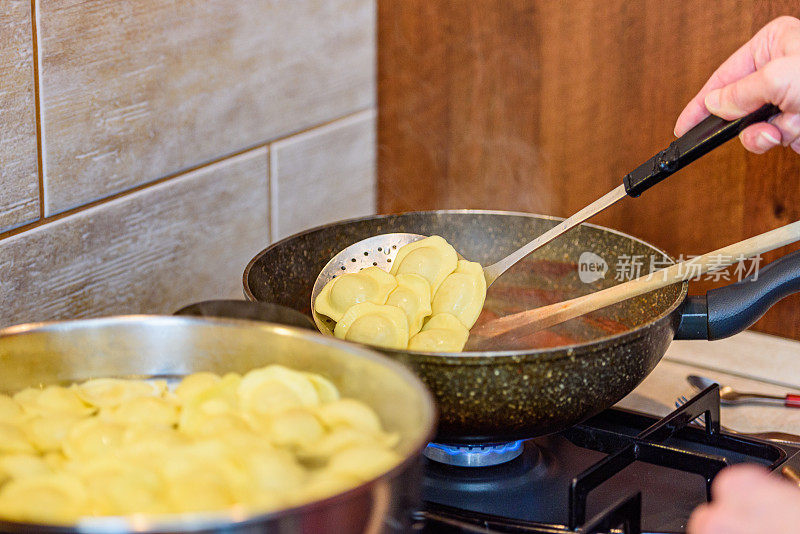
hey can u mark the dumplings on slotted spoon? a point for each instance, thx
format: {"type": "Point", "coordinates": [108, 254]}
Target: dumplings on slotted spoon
{"type": "Point", "coordinates": [272, 438]}
{"type": "Point", "coordinates": [442, 333]}
{"type": "Point", "coordinates": [429, 280]}
{"type": "Point", "coordinates": [462, 293]}
{"type": "Point", "coordinates": [368, 285]}
{"type": "Point", "coordinates": [380, 325]}
{"type": "Point", "coordinates": [433, 258]}
{"type": "Point", "coordinates": [412, 295]}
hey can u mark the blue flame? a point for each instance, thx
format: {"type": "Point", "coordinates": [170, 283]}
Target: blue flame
{"type": "Point", "coordinates": [458, 450]}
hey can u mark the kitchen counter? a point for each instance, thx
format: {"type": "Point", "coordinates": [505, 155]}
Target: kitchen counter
{"type": "Point", "coordinates": [748, 361]}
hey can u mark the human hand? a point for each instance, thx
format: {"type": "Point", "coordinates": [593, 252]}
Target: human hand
{"type": "Point", "coordinates": [748, 500]}
{"type": "Point", "coordinates": [765, 70]}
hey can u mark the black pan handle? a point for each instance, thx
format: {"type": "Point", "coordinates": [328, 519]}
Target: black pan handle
{"type": "Point", "coordinates": [242, 309]}
{"type": "Point", "coordinates": [700, 140]}
{"type": "Point", "coordinates": [728, 310]}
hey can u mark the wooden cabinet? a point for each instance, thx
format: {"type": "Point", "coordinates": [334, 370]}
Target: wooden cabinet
{"type": "Point", "coordinates": [543, 106]}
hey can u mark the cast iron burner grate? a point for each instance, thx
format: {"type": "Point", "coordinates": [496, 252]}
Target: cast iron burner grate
{"type": "Point", "coordinates": [668, 443]}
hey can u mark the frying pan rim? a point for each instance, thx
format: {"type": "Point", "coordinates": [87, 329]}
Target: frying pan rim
{"type": "Point", "coordinates": [519, 354]}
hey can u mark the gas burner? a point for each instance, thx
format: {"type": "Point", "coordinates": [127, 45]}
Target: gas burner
{"type": "Point", "coordinates": [473, 455]}
{"type": "Point", "coordinates": [618, 470]}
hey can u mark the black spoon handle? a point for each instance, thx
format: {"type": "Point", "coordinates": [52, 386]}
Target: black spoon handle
{"type": "Point", "coordinates": [700, 140]}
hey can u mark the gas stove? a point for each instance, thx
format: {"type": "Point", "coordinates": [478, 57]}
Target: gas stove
{"type": "Point", "coordinates": [619, 471]}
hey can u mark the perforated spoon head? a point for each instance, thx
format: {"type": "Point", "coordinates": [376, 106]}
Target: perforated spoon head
{"type": "Point", "coordinates": [375, 251]}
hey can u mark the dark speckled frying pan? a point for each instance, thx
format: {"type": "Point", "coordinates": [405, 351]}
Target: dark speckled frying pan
{"type": "Point", "coordinates": [552, 379]}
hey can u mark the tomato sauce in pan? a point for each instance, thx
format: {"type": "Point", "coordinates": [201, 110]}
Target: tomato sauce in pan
{"type": "Point", "coordinates": [534, 283]}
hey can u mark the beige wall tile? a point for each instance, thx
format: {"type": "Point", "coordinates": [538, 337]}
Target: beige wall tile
{"type": "Point", "coordinates": [19, 183]}
{"type": "Point", "coordinates": [137, 89]}
{"type": "Point", "coordinates": [324, 175]}
{"type": "Point", "coordinates": [185, 240]}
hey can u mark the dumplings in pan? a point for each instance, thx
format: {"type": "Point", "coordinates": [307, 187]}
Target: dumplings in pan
{"type": "Point", "coordinates": [48, 498]}
{"type": "Point", "coordinates": [272, 438]}
{"type": "Point", "coordinates": [10, 411]}
{"type": "Point", "coordinates": [368, 285]}
{"type": "Point", "coordinates": [52, 399]}
{"type": "Point", "coordinates": [47, 432]}
{"type": "Point", "coordinates": [429, 280]}
{"type": "Point", "coordinates": [275, 389]}
{"type": "Point", "coordinates": [13, 440]}
{"type": "Point", "coordinates": [110, 392]}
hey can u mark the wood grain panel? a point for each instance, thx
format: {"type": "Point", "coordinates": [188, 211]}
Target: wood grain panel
{"type": "Point", "coordinates": [153, 251]}
{"type": "Point", "coordinates": [138, 89]}
{"type": "Point", "coordinates": [323, 175]}
{"type": "Point", "coordinates": [19, 183]}
{"type": "Point", "coordinates": [544, 106]}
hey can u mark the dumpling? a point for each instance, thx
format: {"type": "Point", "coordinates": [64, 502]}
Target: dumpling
{"type": "Point", "coordinates": [325, 389]}
{"type": "Point", "coordinates": [51, 498]}
{"type": "Point", "coordinates": [10, 411]}
{"type": "Point", "coordinates": [277, 471]}
{"type": "Point", "coordinates": [293, 429]}
{"type": "Point", "coordinates": [462, 293]}
{"type": "Point", "coordinates": [92, 438]}
{"type": "Point", "coordinates": [349, 413]}
{"type": "Point", "coordinates": [13, 440]}
{"type": "Point", "coordinates": [368, 285]}
{"type": "Point", "coordinates": [194, 384]}
{"type": "Point", "coordinates": [224, 426]}
{"type": "Point", "coordinates": [111, 392]}
{"type": "Point", "coordinates": [150, 439]}
{"type": "Point", "coordinates": [46, 432]}
{"type": "Point", "coordinates": [274, 389]}
{"type": "Point", "coordinates": [117, 488]}
{"type": "Point", "coordinates": [362, 462]}
{"type": "Point", "coordinates": [221, 398]}
{"type": "Point", "coordinates": [442, 333]}
{"type": "Point", "coordinates": [52, 399]}
{"type": "Point", "coordinates": [338, 439]}
{"type": "Point", "coordinates": [154, 410]}
{"type": "Point", "coordinates": [189, 489]}
{"type": "Point", "coordinates": [433, 258]}
{"type": "Point", "coordinates": [412, 295]}
{"type": "Point", "coordinates": [373, 324]}
{"type": "Point", "coordinates": [23, 466]}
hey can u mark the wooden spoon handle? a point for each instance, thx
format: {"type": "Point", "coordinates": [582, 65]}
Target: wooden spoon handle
{"type": "Point", "coordinates": [553, 314]}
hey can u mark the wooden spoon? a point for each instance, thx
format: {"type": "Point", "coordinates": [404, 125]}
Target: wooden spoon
{"type": "Point", "coordinates": [553, 314]}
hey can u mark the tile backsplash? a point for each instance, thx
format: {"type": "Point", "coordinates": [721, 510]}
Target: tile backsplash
{"type": "Point", "coordinates": [175, 140]}
{"type": "Point", "coordinates": [19, 184]}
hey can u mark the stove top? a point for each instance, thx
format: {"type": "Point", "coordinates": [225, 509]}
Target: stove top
{"type": "Point", "coordinates": [619, 471]}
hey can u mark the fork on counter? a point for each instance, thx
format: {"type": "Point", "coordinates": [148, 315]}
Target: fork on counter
{"type": "Point", "coordinates": [728, 395]}
{"type": "Point", "coordinates": [771, 436]}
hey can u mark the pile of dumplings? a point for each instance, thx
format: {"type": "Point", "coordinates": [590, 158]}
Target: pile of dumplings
{"type": "Point", "coordinates": [427, 302]}
{"type": "Point", "coordinates": [270, 439]}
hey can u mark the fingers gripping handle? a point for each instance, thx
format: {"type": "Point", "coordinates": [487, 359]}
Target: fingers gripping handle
{"type": "Point", "coordinates": [703, 138]}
